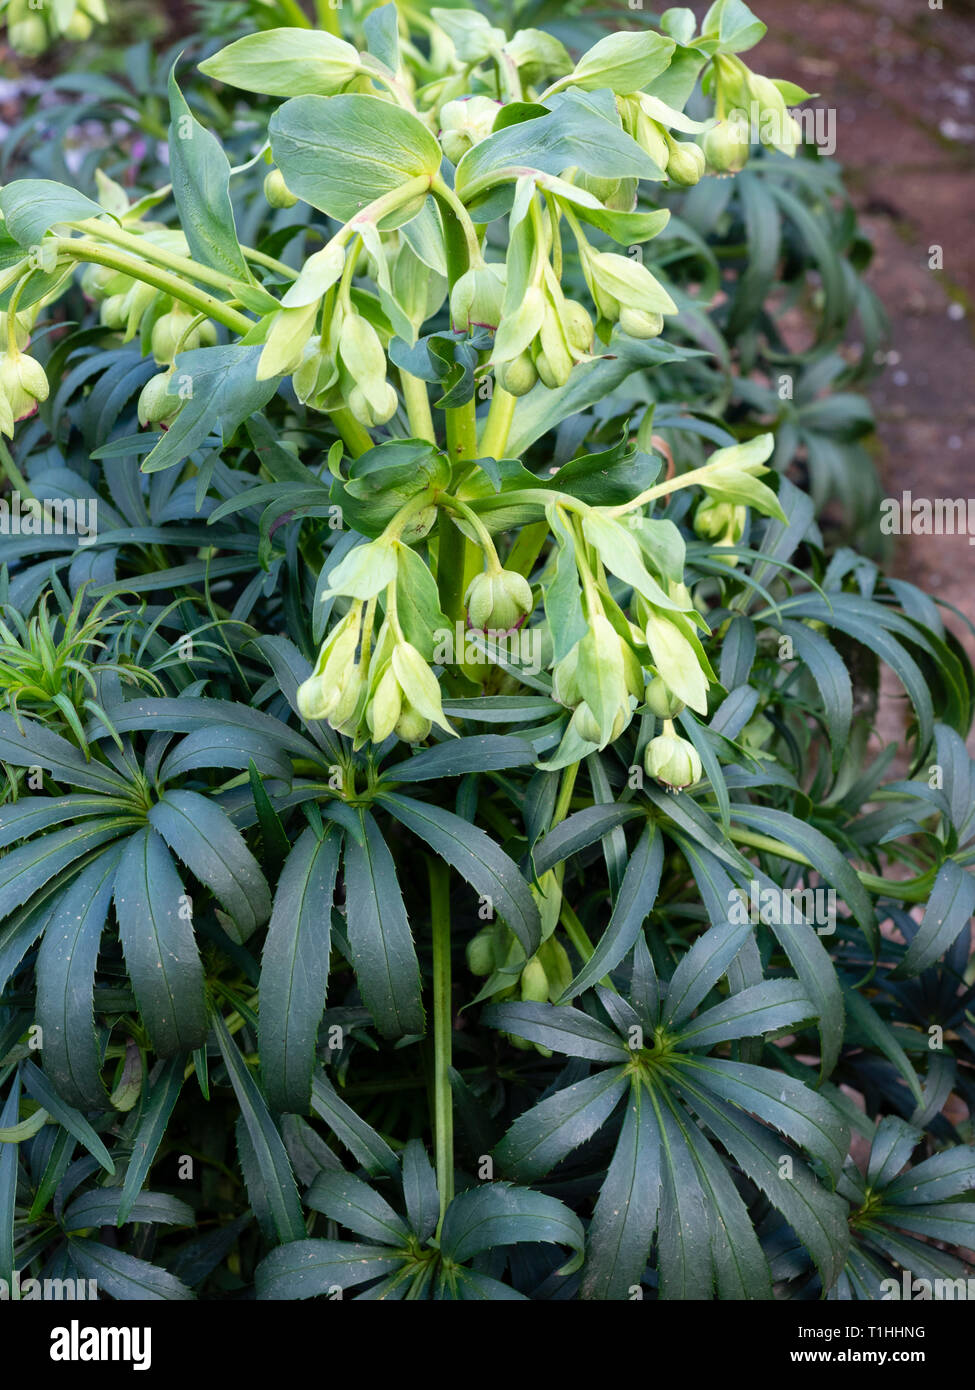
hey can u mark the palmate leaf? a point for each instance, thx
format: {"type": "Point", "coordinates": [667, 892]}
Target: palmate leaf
{"type": "Point", "coordinates": [665, 1176]}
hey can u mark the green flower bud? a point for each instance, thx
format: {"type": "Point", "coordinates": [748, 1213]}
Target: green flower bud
{"type": "Point", "coordinates": [547, 374]}
{"type": "Point", "coordinates": [419, 685]}
{"type": "Point", "coordinates": [673, 761]}
{"type": "Point", "coordinates": [319, 695]}
{"type": "Point", "coordinates": [344, 716]}
{"type": "Point", "coordinates": [477, 297]}
{"type": "Point", "coordinates": [385, 707]}
{"type": "Point", "coordinates": [578, 326]}
{"type": "Point", "coordinates": [586, 724]}
{"type": "Point", "coordinates": [603, 189]}
{"type": "Point", "coordinates": [23, 324]}
{"type": "Point", "coordinates": [376, 411]}
{"type": "Point", "coordinates": [317, 373]}
{"type": "Point", "coordinates": [363, 358]}
{"type": "Point", "coordinates": [616, 280]}
{"type": "Point", "coordinates": [466, 123]}
{"type": "Point", "coordinates": [23, 382]}
{"type": "Point", "coordinates": [79, 27]}
{"type": "Point", "coordinates": [534, 981]}
{"type": "Point", "coordinates": [480, 952]}
{"type": "Point", "coordinates": [565, 687]}
{"type": "Point", "coordinates": [756, 733]}
{"type": "Point", "coordinates": [661, 700]}
{"type": "Point", "coordinates": [277, 192]}
{"type": "Point", "coordinates": [640, 324]}
{"type": "Point", "coordinates": [498, 600]}
{"type": "Point", "coordinates": [99, 281]}
{"type": "Point", "coordinates": [726, 147]}
{"type": "Point", "coordinates": [558, 967]}
{"type": "Point", "coordinates": [676, 660]}
{"type": "Point", "coordinates": [169, 334]}
{"type": "Point", "coordinates": [720, 521]}
{"type": "Point", "coordinates": [156, 406]}
{"type": "Point", "coordinates": [686, 162]}
{"type": "Point", "coordinates": [518, 376]}
{"type": "Point", "coordinates": [28, 36]}
{"type": "Point", "coordinates": [113, 313]}
{"type": "Point", "coordinates": [411, 726]}
{"type": "Point", "coordinates": [652, 138]}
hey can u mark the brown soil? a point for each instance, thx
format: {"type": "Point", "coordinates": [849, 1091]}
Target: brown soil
{"type": "Point", "coordinates": [901, 78]}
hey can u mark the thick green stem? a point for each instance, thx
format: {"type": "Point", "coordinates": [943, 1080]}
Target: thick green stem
{"type": "Point", "coordinates": [292, 11]}
{"type": "Point", "coordinates": [579, 937]}
{"type": "Point", "coordinates": [146, 250]}
{"type": "Point", "coordinates": [11, 472]}
{"type": "Point", "coordinates": [458, 559]}
{"type": "Point", "coordinates": [443, 1103]}
{"type": "Point", "coordinates": [355, 436]}
{"type": "Point", "coordinates": [462, 432]}
{"type": "Point", "coordinates": [696, 475]}
{"type": "Point", "coordinates": [527, 548]}
{"type": "Point", "coordinates": [328, 17]}
{"type": "Point", "coordinates": [417, 406]}
{"type": "Point", "coordinates": [498, 425]}
{"type": "Point", "coordinates": [82, 250]}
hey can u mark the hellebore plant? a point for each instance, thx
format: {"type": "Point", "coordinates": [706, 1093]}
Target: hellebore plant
{"type": "Point", "coordinates": [374, 470]}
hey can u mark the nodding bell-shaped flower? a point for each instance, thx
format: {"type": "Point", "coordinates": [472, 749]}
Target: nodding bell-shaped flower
{"type": "Point", "coordinates": [477, 297]}
{"type": "Point", "coordinates": [720, 521]}
{"type": "Point", "coordinates": [172, 331]}
{"type": "Point", "coordinates": [371, 399]}
{"type": "Point", "coordinates": [518, 376]}
{"type": "Point", "coordinates": [672, 760]}
{"type": "Point", "coordinates": [23, 382]}
{"type": "Point", "coordinates": [384, 709]}
{"type": "Point", "coordinates": [277, 192]}
{"type": "Point", "coordinates": [23, 323]}
{"type": "Point", "coordinates": [726, 147]}
{"type": "Point", "coordinates": [498, 600]}
{"type": "Point", "coordinates": [319, 695]}
{"type": "Point", "coordinates": [156, 405]}
{"type": "Point", "coordinates": [616, 281]}
{"type": "Point", "coordinates": [405, 698]}
{"type": "Point", "coordinates": [27, 33]}
{"type": "Point", "coordinates": [661, 700]}
{"type": "Point", "coordinates": [686, 162]}
{"type": "Point", "coordinates": [411, 726]}
{"type": "Point", "coordinates": [640, 324]}
{"type": "Point", "coordinates": [465, 123]}
{"type": "Point", "coordinates": [578, 326]}
{"type": "Point", "coordinates": [600, 680]}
